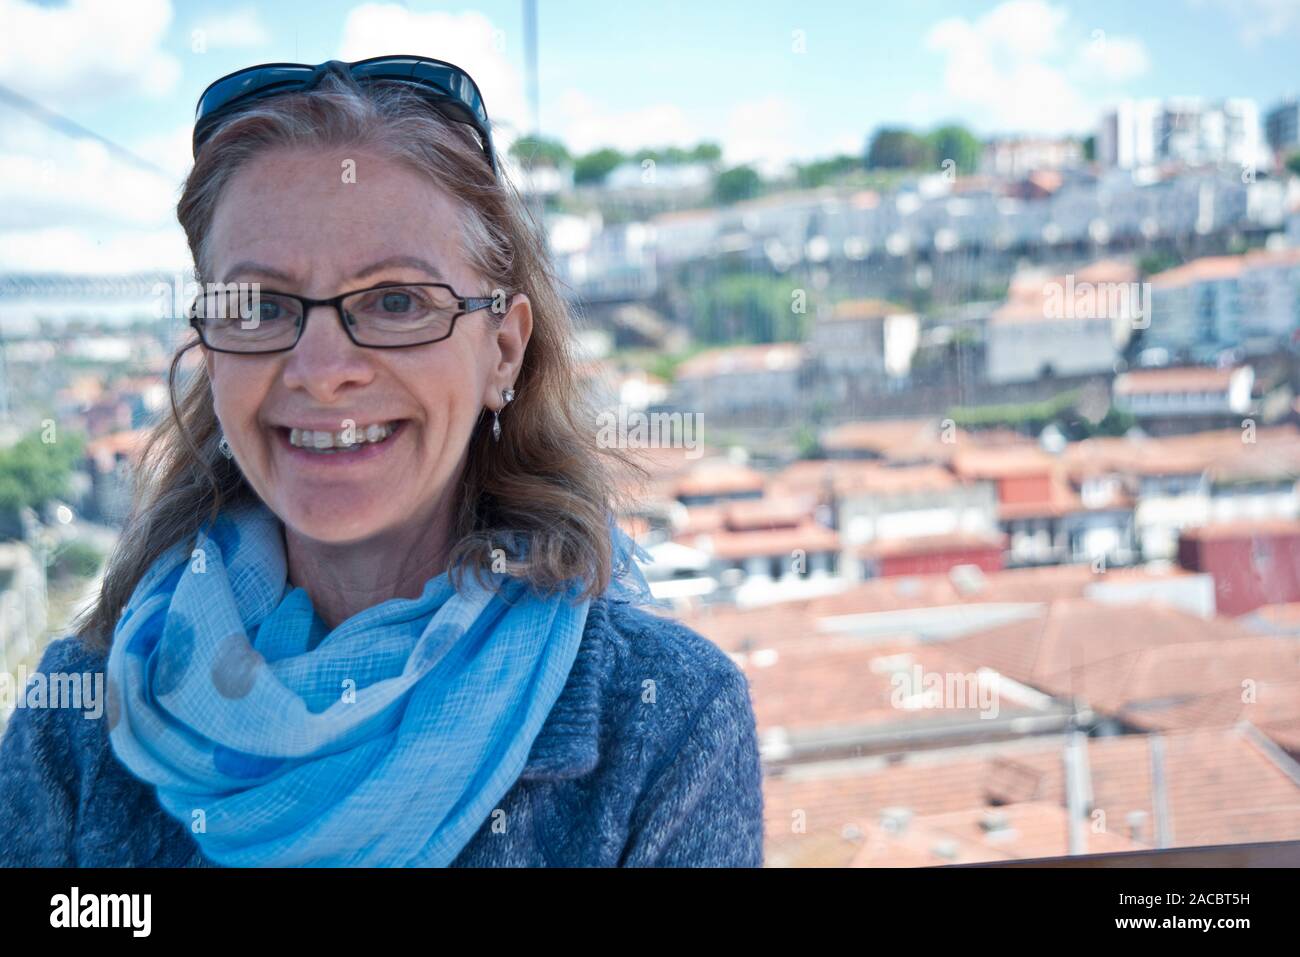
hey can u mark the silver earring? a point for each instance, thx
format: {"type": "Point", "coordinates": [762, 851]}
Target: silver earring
{"type": "Point", "coordinates": [506, 396]}
{"type": "Point", "coordinates": [225, 448]}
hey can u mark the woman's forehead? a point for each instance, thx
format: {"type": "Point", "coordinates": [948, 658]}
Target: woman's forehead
{"type": "Point", "coordinates": [299, 214]}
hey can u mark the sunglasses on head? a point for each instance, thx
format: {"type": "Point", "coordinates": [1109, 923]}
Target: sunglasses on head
{"type": "Point", "coordinates": [449, 88]}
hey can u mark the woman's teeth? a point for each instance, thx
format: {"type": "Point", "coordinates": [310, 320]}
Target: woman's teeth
{"type": "Point", "coordinates": [344, 440]}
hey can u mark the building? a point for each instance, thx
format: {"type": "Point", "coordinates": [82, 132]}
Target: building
{"type": "Point", "coordinates": [863, 345]}
{"type": "Point", "coordinates": [741, 380]}
{"type": "Point", "coordinates": [1252, 563]}
{"type": "Point", "coordinates": [1249, 303]}
{"type": "Point", "coordinates": [1016, 157]}
{"type": "Point", "coordinates": [1069, 325]}
{"type": "Point", "coordinates": [1206, 395]}
{"type": "Point", "coordinates": [1185, 130]}
{"type": "Point", "coordinates": [931, 554]}
{"type": "Point", "coordinates": [1196, 308]}
{"type": "Point", "coordinates": [1282, 127]}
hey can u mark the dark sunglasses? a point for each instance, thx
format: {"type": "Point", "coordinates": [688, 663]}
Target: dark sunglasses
{"type": "Point", "coordinates": [449, 88]}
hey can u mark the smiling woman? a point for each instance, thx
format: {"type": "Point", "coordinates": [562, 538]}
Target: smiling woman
{"type": "Point", "coordinates": [300, 670]}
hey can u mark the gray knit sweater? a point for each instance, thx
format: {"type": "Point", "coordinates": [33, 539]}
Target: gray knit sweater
{"type": "Point", "coordinates": [648, 758]}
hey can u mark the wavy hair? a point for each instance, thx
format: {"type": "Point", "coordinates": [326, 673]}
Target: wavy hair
{"type": "Point", "coordinates": [548, 480]}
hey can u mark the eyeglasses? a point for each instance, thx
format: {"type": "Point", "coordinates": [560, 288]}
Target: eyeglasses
{"type": "Point", "coordinates": [446, 86]}
{"type": "Point", "coordinates": [234, 318]}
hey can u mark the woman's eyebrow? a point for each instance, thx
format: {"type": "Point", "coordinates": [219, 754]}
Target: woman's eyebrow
{"type": "Point", "coordinates": [248, 267]}
{"type": "Point", "coordinates": [392, 262]}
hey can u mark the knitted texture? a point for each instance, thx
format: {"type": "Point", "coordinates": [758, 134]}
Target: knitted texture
{"type": "Point", "coordinates": [649, 758]}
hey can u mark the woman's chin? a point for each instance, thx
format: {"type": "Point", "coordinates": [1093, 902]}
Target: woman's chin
{"type": "Point", "coordinates": [339, 520]}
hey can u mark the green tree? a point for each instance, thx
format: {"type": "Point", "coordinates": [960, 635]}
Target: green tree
{"type": "Point", "coordinates": [820, 172]}
{"type": "Point", "coordinates": [706, 153]}
{"type": "Point", "coordinates": [1293, 163]}
{"type": "Point", "coordinates": [897, 148]}
{"type": "Point", "coordinates": [956, 143]}
{"type": "Point", "coordinates": [1157, 262]}
{"type": "Point", "coordinates": [536, 151]}
{"type": "Point", "coordinates": [745, 307]}
{"type": "Point", "coordinates": [592, 168]}
{"type": "Point", "coordinates": [33, 472]}
{"type": "Point", "coordinates": [737, 183]}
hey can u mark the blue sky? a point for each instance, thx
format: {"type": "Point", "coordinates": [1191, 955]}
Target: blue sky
{"type": "Point", "coordinates": [771, 80]}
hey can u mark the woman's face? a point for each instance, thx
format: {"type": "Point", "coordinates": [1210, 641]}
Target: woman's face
{"type": "Point", "coordinates": [289, 221]}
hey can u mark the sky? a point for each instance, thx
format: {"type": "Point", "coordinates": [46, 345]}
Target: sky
{"type": "Point", "coordinates": [770, 80]}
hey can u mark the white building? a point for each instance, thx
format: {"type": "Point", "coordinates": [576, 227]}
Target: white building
{"type": "Point", "coordinates": [1064, 325]}
{"type": "Point", "coordinates": [1181, 129]}
{"type": "Point", "coordinates": [1196, 391]}
{"type": "Point", "coordinates": [740, 379]}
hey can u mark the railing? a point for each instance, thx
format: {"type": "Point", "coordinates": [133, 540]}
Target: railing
{"type": "Point", "coordinates": [1269, 854]}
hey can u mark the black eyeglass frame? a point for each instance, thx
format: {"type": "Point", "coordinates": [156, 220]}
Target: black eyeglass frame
{"type": "Point", "coordinates": [446, 86]}
{"type": "Point", "coordinates": [466, 305]}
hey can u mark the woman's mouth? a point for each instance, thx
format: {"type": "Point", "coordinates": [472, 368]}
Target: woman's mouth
{"type": "Point", "coordinates": [352, 444]}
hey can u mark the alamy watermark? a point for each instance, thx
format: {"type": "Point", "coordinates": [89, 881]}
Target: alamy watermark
{"type": "Point", "coordinates": [213, 300]}
{"type": "Point", "coordinates": [633, 429]}
{"type": "Point", "coordinates": [916, 689]}
{"type": "Point", "coordinates": [81, 690]}
{"type": "Point", "coordinates": [1130, 301]}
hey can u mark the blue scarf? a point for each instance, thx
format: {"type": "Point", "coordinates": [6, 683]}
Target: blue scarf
{"type": "Point", "coordinates": [386, 741]}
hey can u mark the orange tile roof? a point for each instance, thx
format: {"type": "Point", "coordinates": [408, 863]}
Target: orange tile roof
{"type": "Point", "coordinates": [996, 463]}
{"type": "Point", "coordinates": [1201, 684]}
{"type": "Point", "coordinates": [1052, 652]}
{"type": "Point", "coordinates": [1009, 832]}
{"type": "Point", "coordinates": [828, 681]}
{"type": "Point", "coordinates": [850, 477]}
{"type": "Point", "coordinates": [1027, 299]}
{"type": "Point", "coordinates": [719, 478]}
{"type": "Point", "coordinates": [930, 544]}
{"type": "Point", "coordinates": [1243, 528]}
{"type": "Point", "coordinates": [105, 449]}
{"type": "Point", "coordinates": [1164, 381]}
{"type": "Point", "coordinates": [1205, 269]}
{"type": "Point", "coordinates": [809, 536]}
{"type": "Point", "coordinates": [776, 625]}
{"type": "Point", "coordinates": [891, 437]}
{"type": "Point", "coordinates": [748, 358]}
{"type": "Point", "coordinates": [1222, 786]}
{"type": "Point", "coordinates": [1221, 449]}
{"type": "Point", "coordinates": [767, 512]}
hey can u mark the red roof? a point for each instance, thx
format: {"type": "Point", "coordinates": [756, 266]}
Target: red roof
{"type": "Point", "coordinates": [1222, 786]}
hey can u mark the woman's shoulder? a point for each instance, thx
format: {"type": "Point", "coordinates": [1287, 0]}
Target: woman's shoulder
{"type": "Point", "coordinates": [62, 705]}
{"type": "Point", "coordinates": [678, 740]}
{"type": "Point", "coordinates": [652, 648]}
{"type": "Point", "coordinates": [667, 685]}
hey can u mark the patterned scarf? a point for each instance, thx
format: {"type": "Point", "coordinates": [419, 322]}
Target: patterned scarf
{"type": "Point", "coordinates": [386, 741]}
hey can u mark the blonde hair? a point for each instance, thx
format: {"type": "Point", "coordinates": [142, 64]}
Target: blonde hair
{"type": "Point", "coordinates": [547, 480]}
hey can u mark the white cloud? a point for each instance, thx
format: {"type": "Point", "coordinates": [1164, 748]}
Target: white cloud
{"type": "Point", "coordinates": [238, 28]}
{"type": "Point", "coordinates": [1024, 67]}
{"type": "Point", "coordinates": [86, 48]}
{"type": "Point", "coordinates": [774, 131]}
{"type": "Point", "coordinates": [1259, 19]}
{"type": "Point", "coordinates": [769, 132]}
{"type": "Point", "coordinates": [584, 124]}
{"type": "Point", "coordinates": [469, 40]}
{"type": "Point", "coordinates": [1118, 60]}
{"type": "Point", "coordinates": [71, 205]}
{"type": "Point", "coordinates": [102, 251]}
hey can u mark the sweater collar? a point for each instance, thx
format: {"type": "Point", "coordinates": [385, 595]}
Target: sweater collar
{"type": "Point", "coordinates": [568, 744]}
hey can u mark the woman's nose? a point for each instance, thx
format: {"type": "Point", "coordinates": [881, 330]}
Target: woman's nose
{"type": "Point", "coordinates": [325, 360]}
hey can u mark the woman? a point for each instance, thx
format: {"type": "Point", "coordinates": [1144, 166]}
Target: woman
{"type": "Point", "coordinates": [299, 670]}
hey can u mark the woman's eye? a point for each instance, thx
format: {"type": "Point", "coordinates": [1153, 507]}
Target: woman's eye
{"type": "Point", "coordinates": [396, 302]}
{"type": "Point", "coordinates": [268, 310]}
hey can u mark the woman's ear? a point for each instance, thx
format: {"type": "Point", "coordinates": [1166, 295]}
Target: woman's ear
{"type": "Point", "coordinates": [511, 338]}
